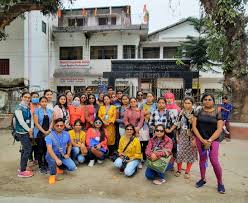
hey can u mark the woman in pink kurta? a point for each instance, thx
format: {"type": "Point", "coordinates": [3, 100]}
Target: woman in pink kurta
{"type": "Point", "coordinates": [134, 115]}
{"type": "Point", "coordinates": [91, 111]}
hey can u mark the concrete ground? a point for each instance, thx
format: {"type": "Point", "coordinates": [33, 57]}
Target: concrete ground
{"type": "Point", "coordinates": [103, 183]}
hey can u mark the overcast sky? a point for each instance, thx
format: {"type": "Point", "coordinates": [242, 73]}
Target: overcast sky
{"type": "Point", "coordinates": [162, 12]}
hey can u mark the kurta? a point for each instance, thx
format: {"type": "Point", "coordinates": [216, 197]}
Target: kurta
{"type": "Point", "coordinates": [108, 114]}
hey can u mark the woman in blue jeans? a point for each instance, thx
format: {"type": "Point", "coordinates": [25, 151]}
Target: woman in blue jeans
{"type": "Point", "coordinates": [160, 145]}
{"type": "Point", "coordinates": [129, 152]}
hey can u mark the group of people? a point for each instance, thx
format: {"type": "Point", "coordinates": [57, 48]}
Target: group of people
{"type": "Point", "coordinates": [131, 131]}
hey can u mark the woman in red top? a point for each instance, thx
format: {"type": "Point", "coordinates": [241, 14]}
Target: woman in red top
{"type": "Point", "coordinates": [91, 111]}
{"type": "Point", "coordinates": [96, 141]}
{"type": "Point", "coordinates": [76, 111]}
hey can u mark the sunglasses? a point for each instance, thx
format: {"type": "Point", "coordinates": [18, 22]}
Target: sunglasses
{"type": "Point", "coordinates": [129, 129]}
{"type": "Point", "coordinates": [161, 131]}
{"type": "Point", "coordinates": [59, 126]}
{"type": "Point", "coordinates": [140, 94]}
{"type": "Point", "coordinates": [208, 100]}
{"type": "Point", "coordinates": [98, 122]}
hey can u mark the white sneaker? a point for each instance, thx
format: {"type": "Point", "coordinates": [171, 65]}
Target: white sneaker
{"type": "Point", "coordinates": [91, 163]}
{"type": "Point", "coordinates": [99, 161]}
{"type": "Point", "coordinates": [225, 130]}
{"type": "Point", "coordinates": [140, 166]}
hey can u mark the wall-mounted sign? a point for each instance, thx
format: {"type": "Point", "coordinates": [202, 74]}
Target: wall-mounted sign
{"type": "Point", "coordinates": [71, 80]}
{"type": "Point", "coordinates": [74, 63]}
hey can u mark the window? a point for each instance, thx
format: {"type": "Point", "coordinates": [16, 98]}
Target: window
{"type": "Point", "coordinates": [43, 27]}
{"type": "Point", "coordinates": [71, 53]}
{"type": "Point", "coordinates": [103, 52]}
{"type": "Point", "coordinates": [71, 22]}
{"type": "Point", "coordinates": [103, 11]}
{"type": "Point", "coordinates": [151, 52]}
{"type": "Point", "coordinates": [4, 66]}
{"type": "Point", "coordinates": [113, 21]}
{"type": "Point", "coordinates": [81, 21]}
{"type": "Point", "coordinates": [170, 52]}
{"type": "Point", "coordinates": [102, 21]}
{"type": "Point", "coordinates": [129, 51]}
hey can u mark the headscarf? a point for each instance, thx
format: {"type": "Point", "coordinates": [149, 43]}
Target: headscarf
{"type": "Point", "coordinates": [173, 105]}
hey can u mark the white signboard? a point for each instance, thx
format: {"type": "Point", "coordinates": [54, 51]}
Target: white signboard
{"type": "Point", "coordinates": [74, 63]}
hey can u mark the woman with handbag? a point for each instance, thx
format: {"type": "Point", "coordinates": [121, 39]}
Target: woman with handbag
{"type": "Point", "coordinates": [129, 152]}
{"type": "Point", "coordinates": [187, 151]}
{"type": "Point", "coordinates": [96, 142]}
{"type": "Point", "coordinates": [207, 126]}
{"type": "Point", "coordinates": [158, 148]}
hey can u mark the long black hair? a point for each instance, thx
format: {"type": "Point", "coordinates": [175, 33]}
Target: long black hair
{"type": "Point", "coordinates": [57, 103]}
{"type": "Point", "coordinates": [102, 132]}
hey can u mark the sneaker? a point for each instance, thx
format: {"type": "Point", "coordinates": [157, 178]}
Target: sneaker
{"type": "Point", "coordinates": [59, 171]}
{"type": "Point", "coordinates": [91, 163]}
{"type": "Point", "coordinates": [159, 181]}
{"type": "Point", "coordinates": [99, 161]}
{"type": "Point", "coordinates": [52, 179]}
{"type": "Point", "coordinates": [28, 168]}
{"type": "Point", "coordinates": [178, 173]}
{"type": "Point", "coordinates": [225, 130]}
{"type": "Point", "coordinates": [221, 189]}
{"type": "Point", "coordinates": [200, 183]}
{"type": "Point", "coordinates": [76, 162]}
{"type": "Point", "coordinates": [25, 174]}
{"type": "Point", "coordinates": [140, 166]}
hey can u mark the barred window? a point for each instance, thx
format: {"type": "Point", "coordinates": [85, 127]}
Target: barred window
{"type": "Point", "coordinates": [103, 52]}
{"type": "Point", "coordinates": [4, 66]}
{"type": "Point", "coordinates": [151, 52]}
{"type": "Point", "coordinates": [71, 53]}
{"type": "Point", "coordinates": [129, 51]}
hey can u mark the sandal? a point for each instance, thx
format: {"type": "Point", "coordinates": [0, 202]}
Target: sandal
{"type": "Point", "coordinates": [159, 181]}
{"type": "Point", "coordinates": [178, 173]}
{"type": "Point", "coordinates": [186, 176]}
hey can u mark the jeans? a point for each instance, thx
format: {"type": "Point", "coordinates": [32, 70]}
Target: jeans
{"type": "Point", "coordinates": [76, 155]}
{"type": "Point", "coordinates": [26, 150]}
{"type": "Point", "coordinates": [130, 168]}
{"type": "Point", "coordinates": [93, 157]}
{"type": "Point", "coordinates": [67, 164]}
{"type": "Point", "coordinates": [152, 174]}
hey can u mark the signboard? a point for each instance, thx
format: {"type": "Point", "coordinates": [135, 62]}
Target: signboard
{"type": "Point", "coordinates": [74, 63]}
{"type": "Point", "coordinates": [70, 80]}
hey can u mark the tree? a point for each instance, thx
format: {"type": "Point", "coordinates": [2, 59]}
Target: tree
{"type": "Point", "coordinates": [226, 22]}
{"type": "Point", "coordinates": [11, 9]}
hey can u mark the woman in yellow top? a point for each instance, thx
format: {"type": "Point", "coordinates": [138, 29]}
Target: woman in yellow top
{"type": "Point", "coordinates": [129, 152]}
{"type": "Point", "coordinates": [107, 113]}
{"type": "Point", "coordinates": [78, 137]}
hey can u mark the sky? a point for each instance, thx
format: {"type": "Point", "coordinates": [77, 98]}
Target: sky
{"type": "Point", "coordinates": [162, 12]}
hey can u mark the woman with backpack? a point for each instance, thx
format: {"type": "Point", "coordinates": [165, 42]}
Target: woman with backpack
{"type": "Point", "coordinates": [207, 126]}
{"type": "Point", "coordinates": [24, 132]}
{"type": "Point", "coordinates": [129, 151]}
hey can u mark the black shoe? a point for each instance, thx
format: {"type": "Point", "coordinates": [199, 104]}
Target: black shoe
{"type": "Point", "coordinates": [43, 170]}
{"type": "Point", "coordinates": [221, 189]}
{"type": "Point", "coordinates": [200, 183]}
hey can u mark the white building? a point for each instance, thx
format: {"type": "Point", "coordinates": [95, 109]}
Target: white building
{"type": "Point", "coordinates": [74, 50]}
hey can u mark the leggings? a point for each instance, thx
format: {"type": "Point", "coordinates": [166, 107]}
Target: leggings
{"type": "Point", "coordinates": [213, 156]}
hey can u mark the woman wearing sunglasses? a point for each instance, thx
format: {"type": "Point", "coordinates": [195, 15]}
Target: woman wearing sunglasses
{"type": "Point", "coordinates": [129, 152]}
{"type": "Point", "coordinates": [91, 111]}
{"type": "Point", "coordinates": [207, 126]}
{"type": "Point", "coordinates": [96, 141]}
{"type": "Point", "coordinates": [160, 145]}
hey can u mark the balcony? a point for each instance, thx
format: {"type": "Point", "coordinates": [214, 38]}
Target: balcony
{"type": "Point", "coordinates": [142, 28]}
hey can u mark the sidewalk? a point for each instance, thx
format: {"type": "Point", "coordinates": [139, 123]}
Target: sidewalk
{"type": "Point", "coordinates": [104, 183]}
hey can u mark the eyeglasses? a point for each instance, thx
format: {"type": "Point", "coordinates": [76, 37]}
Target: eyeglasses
{"type": "Point", "coordinates": [208, 100]}
{"type": "Point", "coordinates": [83, 97]}
{"type": "Point", "coordinates": [129, 129]}
{"type": "Point", "coordinates": [98, 122]}
{"type": "Point", "coordinates": [161, 131]}
{"type": "Point", "coordinates": [59, 126]}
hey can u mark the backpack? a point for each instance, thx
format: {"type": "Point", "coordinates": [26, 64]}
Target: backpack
{"type": "Point", "coordinates": [13, 130]}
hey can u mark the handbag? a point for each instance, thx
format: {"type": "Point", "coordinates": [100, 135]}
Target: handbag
{"type": "Point", "coordinates": [94, 143]}
{"type": "Point", "coordinates": [159, 165]}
